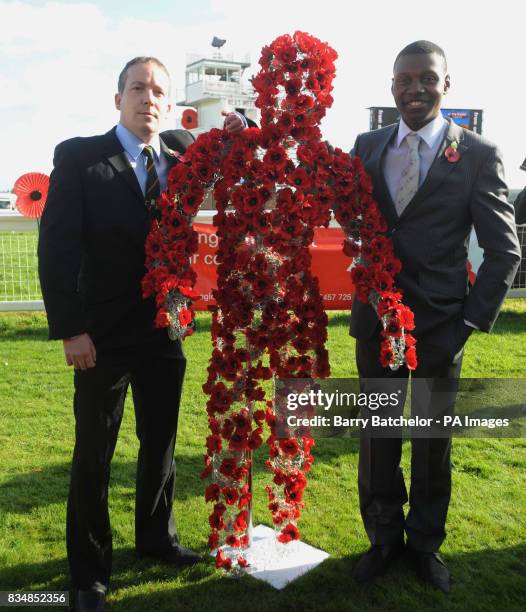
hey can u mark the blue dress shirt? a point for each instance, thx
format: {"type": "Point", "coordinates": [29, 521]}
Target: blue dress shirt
{"type": "Point", "coordinates": [133, 147]}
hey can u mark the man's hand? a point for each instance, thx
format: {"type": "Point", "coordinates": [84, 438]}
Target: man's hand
{"type": "Point", "coordinates": [233, 123]}
{"type": "Point", "coordinates": [462, 333]}
{"type": "Point", "coordinates": [80, 352]}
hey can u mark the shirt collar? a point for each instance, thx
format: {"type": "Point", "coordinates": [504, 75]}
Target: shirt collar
{"type": "Point", "coordinates": [430, 133]}
{"type": "Point", "coordinates": [134, 145]}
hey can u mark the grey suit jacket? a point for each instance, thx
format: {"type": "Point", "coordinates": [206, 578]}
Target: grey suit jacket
{"type": "Point", "coordinates": [432, 234]}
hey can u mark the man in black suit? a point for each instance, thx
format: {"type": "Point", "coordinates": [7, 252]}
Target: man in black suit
{"type": "Point", "coordinates": [91, 262]}
{"type": "Point", "coordinates": [434, 181]}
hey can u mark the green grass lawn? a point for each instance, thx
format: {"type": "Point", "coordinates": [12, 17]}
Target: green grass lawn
{"type": "Point", "coordinates": [485, 547]}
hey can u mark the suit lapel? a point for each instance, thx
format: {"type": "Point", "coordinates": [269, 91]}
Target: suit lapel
{"type": "Point", "coordinates": [382, 191]}
{"type": "Point", "coordinates": [171, 155]}
{"type": "Point", "coordinates": [440, 168]}
{"type": "Point", "coordinates": [120, 163]}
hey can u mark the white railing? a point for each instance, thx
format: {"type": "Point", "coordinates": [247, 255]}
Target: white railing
{"type": "Point", "coordinates": [20, 287]}
{"type": "Point", "coordinates": [19, 284]}
{"type": "Point", "coordinates": [519, 284]}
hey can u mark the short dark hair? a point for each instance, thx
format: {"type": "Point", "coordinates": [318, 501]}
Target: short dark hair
{"type": "Point", "coordinates": [422, 46]}
{"type": "Point", "coordinates": [142, 59]}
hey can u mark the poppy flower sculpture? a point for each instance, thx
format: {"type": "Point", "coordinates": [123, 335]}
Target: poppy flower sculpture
{"type": "Point", "coordinates": [31, 190]}
{"type": "Point", "coordinates": [272, 186]}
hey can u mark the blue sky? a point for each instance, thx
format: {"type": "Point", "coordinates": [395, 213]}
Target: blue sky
{"type": "Point", "coordinates": [59, 61]}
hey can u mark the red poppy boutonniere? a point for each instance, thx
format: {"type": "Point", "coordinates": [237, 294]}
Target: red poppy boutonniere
{"type": "Point", "coordinates": [451, 153]}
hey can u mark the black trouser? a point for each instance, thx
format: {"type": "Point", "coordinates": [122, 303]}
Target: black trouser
{"type": "Point", "coordinates": [155, 371]}
{"type": "Point", "coordinates": [381, 483]}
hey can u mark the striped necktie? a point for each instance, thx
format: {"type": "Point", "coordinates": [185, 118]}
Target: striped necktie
{"type": "Point", "coordinates": [410, 176]}
{"type": "Point", "coordinates": [152, 190]}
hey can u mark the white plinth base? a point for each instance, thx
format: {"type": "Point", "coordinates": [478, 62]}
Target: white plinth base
{"type": "Point", "coordinates": [278, 564]}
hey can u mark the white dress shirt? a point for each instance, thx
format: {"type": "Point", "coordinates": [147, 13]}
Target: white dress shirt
{"type": "Point", "coordinates": [395, 157]}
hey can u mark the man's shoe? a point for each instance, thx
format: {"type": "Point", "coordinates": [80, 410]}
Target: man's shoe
{"type": "Point", "coordinates": [176, 555]}
{"type": "Point", "coordinates": [376, 561]}
{"type": "Point", "coordinates": [90, 601]}
{"type": "Point", "coordinates": [431, 568]}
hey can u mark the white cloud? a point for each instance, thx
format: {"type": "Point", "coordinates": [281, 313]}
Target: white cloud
{"type": "Point", "coordinates": [28, 29]}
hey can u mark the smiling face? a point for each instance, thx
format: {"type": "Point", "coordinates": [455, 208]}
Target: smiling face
{"type": "Point", "coordinates": [419, 83]}
{"type": "Point", "coordinates": [144, 101]}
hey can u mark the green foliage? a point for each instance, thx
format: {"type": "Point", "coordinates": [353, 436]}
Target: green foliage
{"type": "Point", "coordinates": [485, 547]}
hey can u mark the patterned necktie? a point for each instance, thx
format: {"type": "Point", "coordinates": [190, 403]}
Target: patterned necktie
{"type": "Point", "coordinates": [152, 190]}
{"type": "Point", "coordinates": [408, 185]}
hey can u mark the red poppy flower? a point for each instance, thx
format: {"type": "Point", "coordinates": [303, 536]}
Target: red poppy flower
{"type": "Point", "coordinates": [228, 466]}
{"type": "Point", "coordinates": [228, 429]}
{"type": "Point", "coordinates": [288, 534]}
{"type": "Point", "coordinates": [212, 492]}
{"type": "Point", "coordinates": [393, 328]}
{"type": "Point", "coordinates": [213, 540]}
{"type": "Point", "coordinates": [304, 102]}
{"type": "Point", "coordinates": [240, 522]}
{"type": "Point", "coordinates": [232, 540]}
{"type": "Point", "coordinates": [409, 340]}
{"type": "Point", "coordinates": [216, 521]}
{"type": "Point", "coordinates": [242, 421]}
{"type": "Point", "coordinates": [294, 493]}
{"type": "Point", "coordinates": [279, 477]}
{"type": "Point", "coordinates": [308, 443]}
{"type": "Point", "coordinates": [383, 281]}
{"type": "Point", "coordinates": [386, 354]}
{"type": "Point", "coordinates": [266, 57]}
{"type": "Point", "coordinates": [285, 50]}
{"type": "Point", "coordinates": [244, 499]}
{"type": "Point", "coordinates": [162, 319]}
{"type": "Point", "coordinates": [185, 317]}
{"type": "Point", "coordinates": [153, 246]}
{"type": "Point", "coordinates": [410, 358]}
{"type": "Point", "coordinates": [285, 121]}
{"type": "Point", "coordinates": [208, 468]}
{"type": "Point", "coordinates": [222, 561]}
{"type": "Point", "coordinates": [238, 442]}
{"type": "Point", "coordinates": [306, 43]}
{"type": "Point", "coordinates": [230, 495]}
{"type": "Point", "coordinates": [213, 444]}
{"type": "Point", "coordinates": [451, 153]}
{"type": "Point", "coordinates": [408, 318]}
{"type": "Point", "coordinates": [289, 447]}
{"type": "Point", "coordinates": [255, 440]}
{"type": "Point", "coordinates": [31, 190]}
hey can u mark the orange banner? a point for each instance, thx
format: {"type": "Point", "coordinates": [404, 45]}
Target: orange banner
{"type": "Point", "coordinates": [328, 264]}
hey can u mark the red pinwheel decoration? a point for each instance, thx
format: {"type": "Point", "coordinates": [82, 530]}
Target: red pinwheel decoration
{"type": "Point", "coordinates": [31, 190]}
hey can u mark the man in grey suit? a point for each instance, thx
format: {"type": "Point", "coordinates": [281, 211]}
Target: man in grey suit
{"type": "Point", "coordinates": [434, 181]}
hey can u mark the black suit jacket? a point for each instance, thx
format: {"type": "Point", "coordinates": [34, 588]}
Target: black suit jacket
{"type": "Point", "coordinates": [91, 244]}
{"type": "Point", "coordinates": [432, 234]}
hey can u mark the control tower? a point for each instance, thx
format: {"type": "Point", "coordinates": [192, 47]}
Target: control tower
{"type": "Point", "coordinates": [214, 84]}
